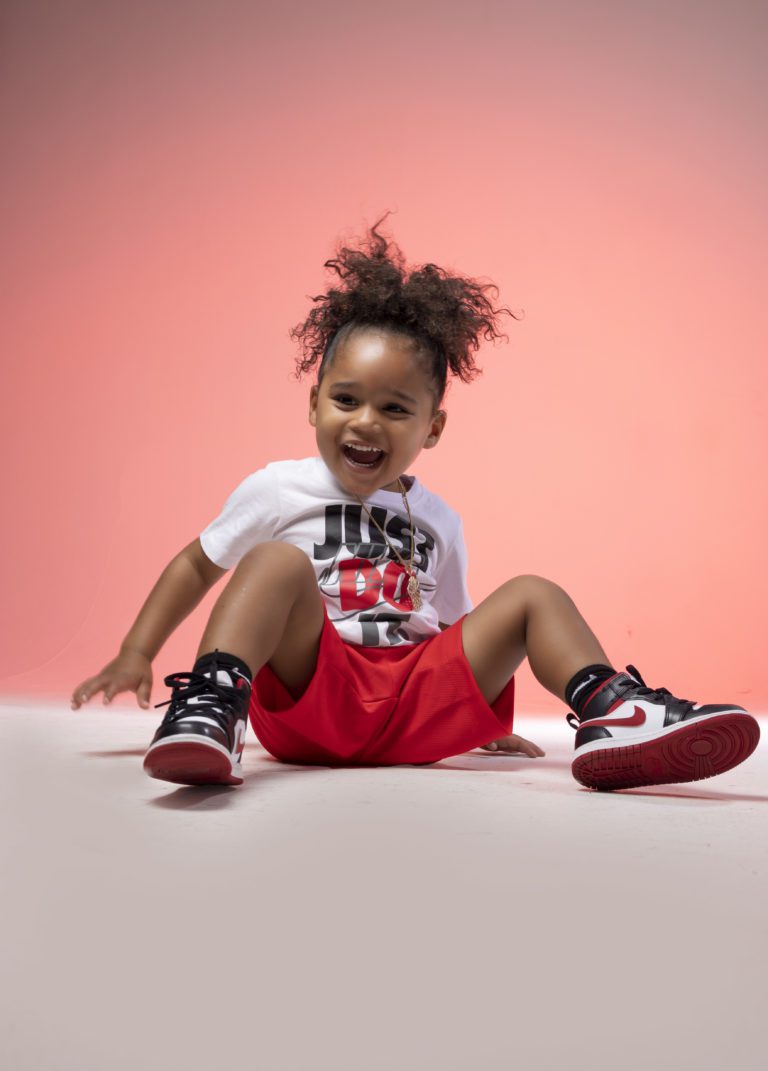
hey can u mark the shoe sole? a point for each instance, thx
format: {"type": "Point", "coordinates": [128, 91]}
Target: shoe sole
{"type": "Point", "coordinates": [190, 762]}
{"type": "Point", "coordinates": [692, 752]}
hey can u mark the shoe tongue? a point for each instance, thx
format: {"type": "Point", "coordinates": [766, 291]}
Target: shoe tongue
{"type": "Point", "coordinates": [222, 677]}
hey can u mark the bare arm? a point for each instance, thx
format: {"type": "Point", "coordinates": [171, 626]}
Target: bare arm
{"type": "Point", "coordinates": [180, 588]}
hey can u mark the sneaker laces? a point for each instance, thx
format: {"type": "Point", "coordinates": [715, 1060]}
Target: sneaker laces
{"type": "Point", "coordinates": [642, 689]}
{"type": "Point", "coordinates": [659, 693]}
{"type": "Point", "coordinates": [212, 695]}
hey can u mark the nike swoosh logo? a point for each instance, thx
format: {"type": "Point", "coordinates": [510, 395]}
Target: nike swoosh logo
{"type": "Point", "coordinates": [638, 718]}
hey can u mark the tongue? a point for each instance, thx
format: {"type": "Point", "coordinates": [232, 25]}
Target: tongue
{"type": "Point", "coordinates": [364, 457]}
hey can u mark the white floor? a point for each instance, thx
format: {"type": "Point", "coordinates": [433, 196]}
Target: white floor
{"type": "Point", "coordinates": [487, 912]}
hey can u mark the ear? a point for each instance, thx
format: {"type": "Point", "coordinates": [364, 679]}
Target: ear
{"type": "Point", "coordinates": [313, 405]}
{"type": "Point", "coordinates": [436, 429]}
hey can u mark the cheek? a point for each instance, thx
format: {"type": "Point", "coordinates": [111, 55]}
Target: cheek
{"type": "Point", "coordinates": [327, 425]}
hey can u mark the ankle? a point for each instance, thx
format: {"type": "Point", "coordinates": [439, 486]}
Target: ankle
{"type": "Point", "coordinates": [228, 668]}
{"type": "Point", "coordinates": [583, 684]}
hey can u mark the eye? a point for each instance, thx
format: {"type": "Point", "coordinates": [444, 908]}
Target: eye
{"type": "Point", "coordinates": [346, 399]}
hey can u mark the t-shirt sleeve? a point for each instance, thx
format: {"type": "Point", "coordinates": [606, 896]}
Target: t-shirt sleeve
{"type": "Point", "coordinates": [249, 516]}
{"type": "Point", "coordinates": [451, 598]}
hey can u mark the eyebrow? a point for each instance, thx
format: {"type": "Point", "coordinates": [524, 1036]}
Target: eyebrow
{"type": "Point", "coordinates": [390, 390]}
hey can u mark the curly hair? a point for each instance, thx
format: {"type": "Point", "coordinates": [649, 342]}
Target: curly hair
{"type": "Point", "coordinates": [445, 314]}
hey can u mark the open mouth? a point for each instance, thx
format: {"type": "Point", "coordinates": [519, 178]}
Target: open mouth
{"type": "Point", "coordinates": [363, 458]}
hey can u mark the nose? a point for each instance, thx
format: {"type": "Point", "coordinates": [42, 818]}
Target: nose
{"type": "Point", "coordinates": [365, 418]}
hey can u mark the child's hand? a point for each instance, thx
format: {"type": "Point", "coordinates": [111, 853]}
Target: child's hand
{"type": "Point", "coordinates": [511, 745]}
{"type": "Point", "coordinates": [129, 672]}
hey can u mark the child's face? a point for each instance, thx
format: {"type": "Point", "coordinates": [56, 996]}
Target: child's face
{"type": "Point", "coordinates": [369, 412]}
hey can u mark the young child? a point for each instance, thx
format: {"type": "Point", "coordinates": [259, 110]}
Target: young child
{"type": "Point", "coordinates": [346, 633]}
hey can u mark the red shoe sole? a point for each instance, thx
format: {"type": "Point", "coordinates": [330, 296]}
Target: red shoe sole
{"type": "Point", "coordinates": [694, 751]}
{"type": "Point", "coordinates": [187, 763]}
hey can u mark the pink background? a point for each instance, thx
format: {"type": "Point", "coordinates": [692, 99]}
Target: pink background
{"type": "Point", "coordinates": [174, 176]}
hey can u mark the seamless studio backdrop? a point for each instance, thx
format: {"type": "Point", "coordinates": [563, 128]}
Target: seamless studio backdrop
{"type": "Point", "coordinates": [174, 177]}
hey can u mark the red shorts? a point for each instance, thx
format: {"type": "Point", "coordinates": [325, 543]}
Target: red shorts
{"type": "Point", "coordinates": [380, 706]}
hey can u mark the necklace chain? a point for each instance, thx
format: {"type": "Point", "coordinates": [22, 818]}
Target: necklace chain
{"type": "Point", "coordinates": [414, 591]}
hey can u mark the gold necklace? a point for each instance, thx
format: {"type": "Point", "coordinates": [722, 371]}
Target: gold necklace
{"type": "Point", "coordinates": [414, 592]}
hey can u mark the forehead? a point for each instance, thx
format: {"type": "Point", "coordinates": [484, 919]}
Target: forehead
{"type": "Point", "coordinates": [378, 358]}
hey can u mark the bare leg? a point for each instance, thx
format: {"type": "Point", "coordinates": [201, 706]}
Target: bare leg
{"type": "Point", "coordinates": [270, 611]}
{"type": "Point", "coordinates": [531, 617]}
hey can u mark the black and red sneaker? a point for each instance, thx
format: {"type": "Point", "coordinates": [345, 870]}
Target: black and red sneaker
{"type": "Point", "coordinates": [630, 735]}
{"type": "Point", "coordinates": [201, 738]}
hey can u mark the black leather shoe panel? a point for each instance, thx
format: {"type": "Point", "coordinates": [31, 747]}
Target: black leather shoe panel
{"type": "Point", "coordinates": [586, 734]}
{"type": "Point", "coordinates": [614, 689]}
{"type": "Point", "coordinates": [197, 728]}
{"type": "Point", "coordinates": [713, 708]}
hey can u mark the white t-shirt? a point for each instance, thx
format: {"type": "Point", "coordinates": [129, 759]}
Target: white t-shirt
{"type": "Point", "coordinates": [360, 578]}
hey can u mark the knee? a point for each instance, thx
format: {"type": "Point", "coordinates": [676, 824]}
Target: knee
{"type": "Point", "coordinates": [285, 560]}
{"type": "Point", "coordinates": [535, 587]}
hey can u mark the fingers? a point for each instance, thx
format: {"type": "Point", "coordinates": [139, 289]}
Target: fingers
{"type": "Point", "coordinates": [84, 691]}
{"type": "Point", "coordinates": [144, 692]}
{"type": "Point", "coordinates": [533, 750]}
{"type": "Point", "coordinates": [527, 747]}
{"type": "Point", "coordinates": [111, 686]}
{"type": "Point", "coordinates": [515, 745]}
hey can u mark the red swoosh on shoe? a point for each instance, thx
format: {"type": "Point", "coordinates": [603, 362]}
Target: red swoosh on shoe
{"type": "Point", "coordinates": [638, 718]}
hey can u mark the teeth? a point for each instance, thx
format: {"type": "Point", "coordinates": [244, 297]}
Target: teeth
{"type": "Point", "coordinates": [370, 449]}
